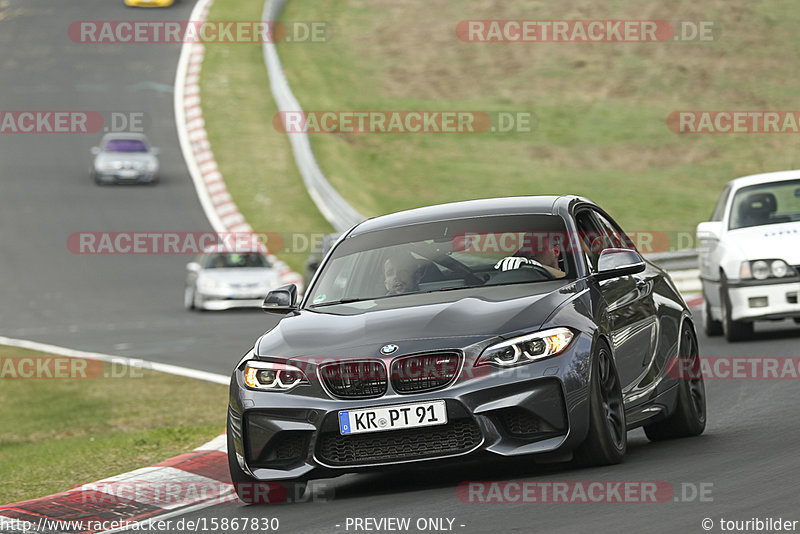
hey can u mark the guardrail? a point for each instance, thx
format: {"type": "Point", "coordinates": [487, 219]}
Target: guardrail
{"type": "Point", "coordinates": [341, 215]}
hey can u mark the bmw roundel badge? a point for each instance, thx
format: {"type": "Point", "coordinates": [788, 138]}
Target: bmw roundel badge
{"type": "Point", "coordinates": [388, 349]}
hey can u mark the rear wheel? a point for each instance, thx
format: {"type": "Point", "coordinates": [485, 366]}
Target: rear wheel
{"type": "Point", "coordinates": [689, 416]}
{"type": "Point", "coordinates": [254, 491]}
{"type": "Point", "coordinates": [733, 330]}
{"type": "Point", "coordinates": [607, 440]}
{"type": "Point", "coordinates": [711, 327]}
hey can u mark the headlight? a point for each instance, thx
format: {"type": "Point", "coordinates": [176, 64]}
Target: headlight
{"type": "Point", "coordinates": [763, 269]}
{"type": "Point", "coordinates": [209, 284]}
{"type": "Point", "coordinates": [152, 166]}
{"type": "Point", "coordinates": [526, 349]}
{"type": "Point", "coordinates": [760, 270]}
{"type": "Point", "coordinates": [273, 376]}
{"type": "Point", "coordinates": [105, 166]}
{"type": "Point", "coordinates": [778, 268]}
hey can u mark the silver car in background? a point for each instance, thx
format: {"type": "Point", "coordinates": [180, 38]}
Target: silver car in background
{"type": "Point", "coordinates": [220, 279]}
{"type": "Point", "coordinates": [125, 158]}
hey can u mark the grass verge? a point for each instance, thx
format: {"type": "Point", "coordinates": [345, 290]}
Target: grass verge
{"type": "Point", "coordinates": [59, 433]}
{"type": "Point", "coordinates": [601, 107]}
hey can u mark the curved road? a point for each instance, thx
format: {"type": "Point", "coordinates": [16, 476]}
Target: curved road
{"type": "Point", "coordinates": [131, 305]}
{"type": "Point", "coordinates": [126, 305]}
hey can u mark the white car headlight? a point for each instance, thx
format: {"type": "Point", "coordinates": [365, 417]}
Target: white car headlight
{"type": "Point", "coordinates": [209, 284]}
{"type": "Point", "coordinates": [528, 348]}
{"type": "Point", "coordinates": [763, 269]}
{"type": "Point", "coordinates": [760, 270]}
{"type": "Point", "coordinates": [779, 269]}
{"type": "Point", "coordinates": [268, 376]}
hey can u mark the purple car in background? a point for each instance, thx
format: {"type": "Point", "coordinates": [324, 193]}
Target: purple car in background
{"type": "Point", "coordinates": [125, 158]}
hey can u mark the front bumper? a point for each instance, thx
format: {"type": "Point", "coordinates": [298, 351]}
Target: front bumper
{"type": "Point", "coordinates": [213, 303]}
{"type": "Point", "coordinates": [540, 407]}
{"type": "Point", "coordinates": [148, 3]}
{"type": "Point", "coordinates": [122, 177]}
{"type": "Point", "coordinates": [768, 301]}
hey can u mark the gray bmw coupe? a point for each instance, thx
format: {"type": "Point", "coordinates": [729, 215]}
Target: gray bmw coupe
{"type": "Point", "coordinates": [504, 327]}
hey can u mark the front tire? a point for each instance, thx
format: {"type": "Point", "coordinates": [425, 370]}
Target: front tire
{"type": "Point", "coordinates": [188, 298]}
{"type": "Point", "coordinates": [733, 330]}
{"type": "Point", "coordinates": [254, 491]}
{"type": "Point", "coordinates": [711, 327]}
{"type": "Point", "coordinates": [607, 440]}
{"type": "Point", "coordinates": [689, 417]}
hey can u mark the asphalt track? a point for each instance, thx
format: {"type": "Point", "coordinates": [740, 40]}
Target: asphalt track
{"type": "Point", "coordinates": [131, 305]}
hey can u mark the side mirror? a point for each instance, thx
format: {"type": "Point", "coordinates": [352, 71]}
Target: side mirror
{"type": "Point", "coordinates": [281, 300]}
{"type": "Point", "coordinates": [95, 150]}
{"type": "Point", "coordinates": [616, 262]}
{"type": "Point", "coordinates": [193, 266]}
{"type": "Point", "coordinates": [155, 151]}
{"type": "Point", "coordinates": [709, 231]}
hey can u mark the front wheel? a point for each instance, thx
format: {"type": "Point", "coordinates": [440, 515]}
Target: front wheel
{"type": "Point", "coordinates": [689, 417]}
{"type": "Point", "coordinates": [607, 440]}
{"type": "Point", "coordinates": [188, 298]}
{"type": "Point", "coordinates": [711, 327]}
{"type": "Point", "coordinates": [733, 330]}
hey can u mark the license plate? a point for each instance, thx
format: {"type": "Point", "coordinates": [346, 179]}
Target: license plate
{"type": "Point", "coordinates": [392, 417]}
{"type": "Point", "coordinates": [128, 174]}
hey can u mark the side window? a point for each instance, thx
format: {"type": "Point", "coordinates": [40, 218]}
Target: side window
{"type": "Point", "coordinates": [590, 236]}
{"type": "Point", "coordinates": [719, 209]}
{"type": "Point", "coordinates": [616, 238]}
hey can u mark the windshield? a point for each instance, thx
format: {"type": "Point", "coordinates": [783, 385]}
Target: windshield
{"type": "Point", "coordinates": [125, 145]}
{"type": "Point", "coordinates": [444, 256]}
{"type": "Point", "coordinates": [770, 203]}
{"type": "Point", "coordinates": [230, 261]}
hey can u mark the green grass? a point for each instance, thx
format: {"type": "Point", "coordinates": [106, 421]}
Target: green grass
{"type": "Point", "coordinates": [601, 107]}
{"type": "Point", "coordinates": [59, 433]}
{"type": "Point", "coordinates": [255, 160]}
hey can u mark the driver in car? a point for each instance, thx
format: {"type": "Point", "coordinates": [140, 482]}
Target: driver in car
{"type": "Point", "coordinates": [402, 274]}
{"type": "Point", "coordinates": [538, 249]}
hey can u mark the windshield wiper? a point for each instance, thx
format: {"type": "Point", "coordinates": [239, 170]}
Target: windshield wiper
{"type": "Point", "coordinates": [346, 300]}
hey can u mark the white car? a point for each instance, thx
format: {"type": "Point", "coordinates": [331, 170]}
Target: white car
{"type": "Point", "coordinates": [220, 279]}
{"type": "Point", "coordinates": [750, 254]}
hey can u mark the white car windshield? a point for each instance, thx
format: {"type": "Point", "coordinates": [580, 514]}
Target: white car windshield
{"type": "Point", "coordinates": [769, 203]}
{"type": "Point", "coordinates": [232, 261]}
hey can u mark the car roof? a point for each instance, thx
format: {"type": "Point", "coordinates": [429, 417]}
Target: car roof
{"type": "Point", "coordinates": [238, 248]}
{"type": "Point", "coordinates": [535, 204]}
{"type": "Point", "coordinates": [765, 177]}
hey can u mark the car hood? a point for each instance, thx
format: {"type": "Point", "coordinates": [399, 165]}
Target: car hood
{"type": "Point", "coordinates": [774, 241]}
{"type": "Point", "coordinates": [241, 275]}
{"type": "Point", "coordinates": [429, 326]}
